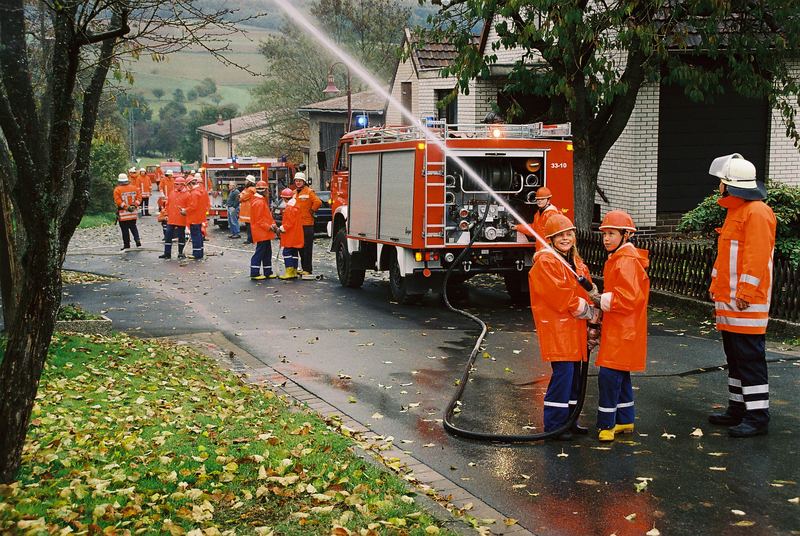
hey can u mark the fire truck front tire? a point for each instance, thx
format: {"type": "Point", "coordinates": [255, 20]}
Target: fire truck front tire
{"type": "Point", "coordinates": [401, 287]}
{"type": "Point", "coordinates": [348, 276]}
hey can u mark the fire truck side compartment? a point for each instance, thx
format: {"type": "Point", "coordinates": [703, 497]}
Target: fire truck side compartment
{"type": "Point", "coordinates": [364, 192]}
{"type": "Point", "coordinates": [397, 192]}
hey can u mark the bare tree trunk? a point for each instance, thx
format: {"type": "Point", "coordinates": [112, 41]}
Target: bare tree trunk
{"type": "Point", "coordinates": [585, 167]}
{"type": "Point", "coordinates": [26, 350]}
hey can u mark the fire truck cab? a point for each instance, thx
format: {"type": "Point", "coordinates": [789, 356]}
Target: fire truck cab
{"type": "Point", "coordinates": [218, 172]}
{"type": "Point", "coordinates": [403, 204]}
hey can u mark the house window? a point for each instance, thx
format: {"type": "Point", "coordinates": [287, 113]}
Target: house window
{"type": "Point", "coordinates": [210, 144]}
{"type": "Point", "coordinates": [405, 100]}
{"type": "Point", "coordinates": [448, 112]}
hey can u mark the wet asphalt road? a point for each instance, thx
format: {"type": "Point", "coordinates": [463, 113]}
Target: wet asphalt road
{"type": "Point", "coordinates": [368, 356]}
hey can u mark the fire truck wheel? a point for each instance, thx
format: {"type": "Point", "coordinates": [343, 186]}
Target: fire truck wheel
{"type": "Point", "coordinates": [399, 285]}
{"type": "Point", "coordinates": [517, 287]}
{"type": "Point", "coordinates": [348, 276]}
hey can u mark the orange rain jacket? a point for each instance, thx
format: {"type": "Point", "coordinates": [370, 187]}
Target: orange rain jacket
{"type": "Point", "coordinates": [556, 297]}
{"type": "Point", "coordinates": [539, 219]}
{"type": "Point", "coordinates": [244, 203]}
{"type": "Point", "coordinates": [743, 268]}
{"type": "Point", "coordinates": [127, 195]}
{"type": "Point", "coordinates": [162, 210]}
{"type": "Point", "coordinates": [166, 185]}
{"type": "Point", "coordinates": [307, 203]}
{"type": "Point", "coordinates": [261, 219]}
{"type": "Point", "coordinates": [291, 229]}
{"type": "Point", "coordinates": [144, 184]}
{"type": "Point", "coordinates": [623, 340]}
{"type": "Point", "coordinates": [175, 203]}
{"type": "Point", "coordinates": [198, 206]}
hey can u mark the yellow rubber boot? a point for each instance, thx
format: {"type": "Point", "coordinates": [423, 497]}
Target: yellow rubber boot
{"type": "Point", "coordinates": [291, 273]}
{"type": "Point", "coordinates": [623, 428]}
{"type": "Point", "coordinates": [606, 435]}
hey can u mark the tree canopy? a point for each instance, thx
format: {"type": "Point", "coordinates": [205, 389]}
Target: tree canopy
{"type": "Point", "coordinates": [591, 59]}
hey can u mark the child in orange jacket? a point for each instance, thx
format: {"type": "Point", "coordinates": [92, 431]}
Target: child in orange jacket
{"type": "Point", "coordinates": [623, 342]}
{"type": "Point", "coordinates": [291, 232]}
{"type": "Point", "coordinates": [560, 308]}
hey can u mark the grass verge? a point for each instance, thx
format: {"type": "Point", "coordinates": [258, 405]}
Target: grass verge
{"type": "Point", "coordinates": [96, 220]}
{"type": "Point", "coordinates": [132, 436]}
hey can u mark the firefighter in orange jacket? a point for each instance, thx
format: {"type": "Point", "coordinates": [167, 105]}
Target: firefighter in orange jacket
{"type": "Point", "coordinates": [291, 232]}
{"type": "Point", "coordinates": [741, 287]}
{"type": "Point", "coordinates": [560, 308]}
{"type": "Point", "coordinates": [126, 197]}
{"type": "Point", "coordinates": [144, 185]}
{"type": "Point", "coordinates": [263, 232]}
{"type": "Point", "coordinates": [623, 342]}
{"type": "Point", "coordinates": [196, 215]}
{"type": "Point", "coordinates": [544, 209]}
{"type": "Point", "coordinates": [245, 198]}
{"type": "Point", "coordinates": [177, 207]}
{"type": "Point", "coordinates": [307, 203]}
{"type": "Point", "coordinates": [167, 184]}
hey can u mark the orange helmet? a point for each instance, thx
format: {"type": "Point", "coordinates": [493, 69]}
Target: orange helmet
{"type": "Point", "coordinates": [618, 219]}
{"type": "Point", "coordinates": [544, 193]}
{"type": "Point", "coordinates": [261, 184]}
{"type": "Point", "coordinates": [180, 180]}
{"type": "Point", "coordinates": [557, 223]}
{"type": "Point", "coordinates": [287, 192]}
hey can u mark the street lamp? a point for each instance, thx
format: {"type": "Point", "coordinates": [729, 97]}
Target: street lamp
{"type": "Point", "coordinates": [331, 89]}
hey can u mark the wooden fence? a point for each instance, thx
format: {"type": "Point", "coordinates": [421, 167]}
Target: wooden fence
{"type": "Point", "coordinates": [684, 268]}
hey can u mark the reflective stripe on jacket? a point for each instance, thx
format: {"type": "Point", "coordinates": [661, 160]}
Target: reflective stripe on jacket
{"type": "Point", "coordinates": [307, 203]}
{"type": "Point", "coordinates": [127, 196]}
{"type": "Point", "coordinates": [623, 339]}
{"type": "Point", "coordinates": [198, 206]}
{"type": "Point", "coordinates": [291, 228]}
{"type": "Point", "coordinates": [166, 185]}
{"type": "Point", "coordinates": [244, 203]}
{"type": "Point", "coordinates": [743, 268]}
{"type": "Point", "coordinates": [539, 219]}
{"type": "Point", "coordinates": [261, 219]}
{"type": "Point", "coordinates": [556, 297]}
{"type": "Point", "coordinates": [144, 184]}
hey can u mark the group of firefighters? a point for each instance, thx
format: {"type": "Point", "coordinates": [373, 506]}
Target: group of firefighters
{"type": "Point", "coordinates": [568, 317]}
{"type": "Point", "coordinates": [184, 203]}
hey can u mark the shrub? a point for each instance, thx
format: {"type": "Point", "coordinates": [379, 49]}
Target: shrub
{"type": "Point", "coordinates": [782, 198]}
{"type": "Point", "coordinates": [108, 159]}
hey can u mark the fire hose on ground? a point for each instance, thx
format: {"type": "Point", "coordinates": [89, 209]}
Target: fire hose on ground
{"type": "Point", "coordinates": [449, 413]}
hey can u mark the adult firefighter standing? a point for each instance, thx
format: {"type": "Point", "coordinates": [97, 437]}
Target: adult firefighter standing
{"type": "Point", "coordinates": [264, 228]}
{"type": "Point", "coordinates": [144, 185]}
{"type": "Point", "coordinates": [167, 184]}
{"type": "Point", "coordinates": [245, 199]}
{"type": "Point", "coordinates": [177, 208]}
{"type": "Point", "coordinates": [307, 203]}
{"type": "Point", "coordinates": [544, 209]}
{"type": "Point", "coordinates": [196, 215]}
{"type": "Point", "coordinates": [127, 199]}
{"type": "Point", "coordinates": [741, 287]}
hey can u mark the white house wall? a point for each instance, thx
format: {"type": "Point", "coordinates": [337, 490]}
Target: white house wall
{"type": "Point", "coordinates": [783, 159]}
{"type": "Point", "coordinates": [405, 73]}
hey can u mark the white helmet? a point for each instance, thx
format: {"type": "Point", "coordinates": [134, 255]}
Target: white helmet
{"type": "Point", "coordinates": [739, 175]}
{"type": "Point", "coordinates": [250, 178]}
{"type": "Point", "coordinates": [142, 170]}
{"type": "Point", "coordinates": [168, 172]}
{"type": "Point", "coordinates": [300, 176]}
{"type": "Point", "coordinates": [132, 170]}
{"type": "Point", "coordinates": [122, 178]}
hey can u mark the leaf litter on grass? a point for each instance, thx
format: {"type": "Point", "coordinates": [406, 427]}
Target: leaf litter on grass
{"type": "Point", "coordinates": [130, 436]}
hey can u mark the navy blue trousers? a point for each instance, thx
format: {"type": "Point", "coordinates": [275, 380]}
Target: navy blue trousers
{"type": "Point", "coordinates": [308, 247]}
{"type": "Point", "coordinates": [748, 383]}
{"type": "Point", "coordinates": [615, 393]}
{"type": "Point", "coordinates": [562, 393]}
{"type": "Point", "coordinates": [261, 259]}
{"type": "Point", "coordinates": [170, 232]}
{"type": "Point", "coordinates": [196, 232]}
{"type": "Point", "coordinates": [290, 257]}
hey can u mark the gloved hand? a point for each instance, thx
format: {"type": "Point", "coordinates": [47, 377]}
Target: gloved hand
{"type": "Point", "coordinates": [131, 208]}
{"type": "Point", "coordinates": [593, 337]}
{"type": "Point", "coordinates": [183, 212]}
{"type": "Point", "coordinates": [595, 295]}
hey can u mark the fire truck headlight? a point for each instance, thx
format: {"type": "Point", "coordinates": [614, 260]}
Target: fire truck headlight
{"type": "Point", "coordinates": [418, 256]}
{"type": "Point", "coordinates": [497, 133]}
{"type": "Point", "coordinates": [449, 257]}
{"type": "Point", "coordinates": [463, 225]}
{"type": "Point", "coordinates": [490, 233]}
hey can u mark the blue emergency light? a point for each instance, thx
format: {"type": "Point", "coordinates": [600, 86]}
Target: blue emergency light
{"type": "Point", "coordinates": [362, 121]}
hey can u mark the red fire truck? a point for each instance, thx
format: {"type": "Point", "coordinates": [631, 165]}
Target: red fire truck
{"type": "Point", "coordinates": [218, 172]}
{"type": "Point", "coordinates": [400, 204]}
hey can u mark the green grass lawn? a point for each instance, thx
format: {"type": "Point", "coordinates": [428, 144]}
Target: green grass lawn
{"type": "Point", "coordinates": [144, 437]}
{"type": "Point", "coordinates": [97, 220]}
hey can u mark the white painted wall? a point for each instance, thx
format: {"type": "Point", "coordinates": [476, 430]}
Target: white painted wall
{"type": "Point", "coordinates": [783, 158]}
